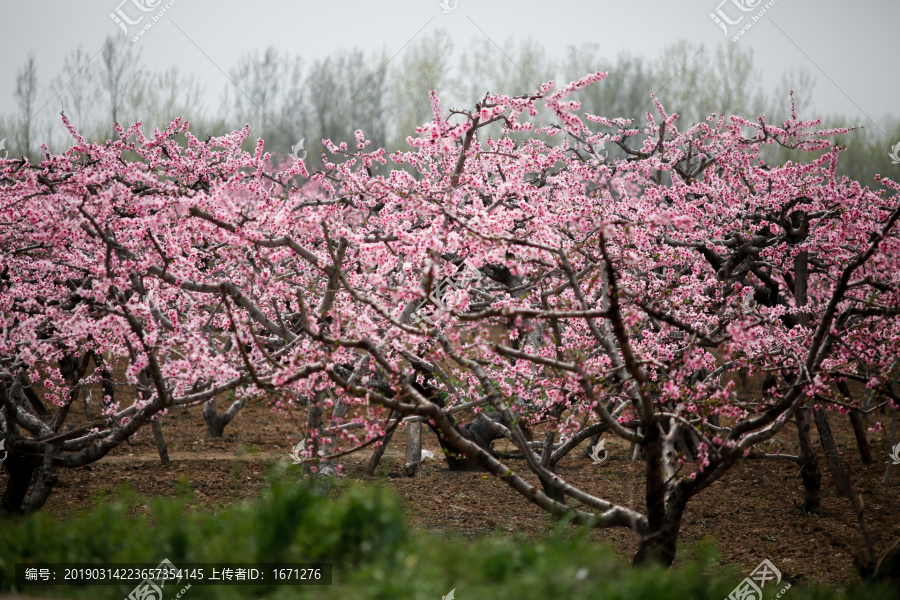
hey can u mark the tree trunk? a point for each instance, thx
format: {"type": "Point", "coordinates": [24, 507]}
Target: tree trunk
{"type": "Point", "coordinates": [801, 280]}
{"type": "Point", "coordinates": [375, 459]}
{"type": "Point", "coordinates": [59, 417]}
{"type": "Point", "coordinates": [665, 499]}
{"type": "Point", "coordinates": [894, 385]}
{"type": "Point", "coordinates": [314, 426]}
{"type": "Point", "coordinates": [215, 423]}
{"type": "Point", "coordinates": [413, 462]}
{"type": "Point", "coordinates": [34, 399]}
{"type": "Point", "coordinates": [887, 473]}
{"type": "Point", "coordinates": [682, 445]}
{"type": "Point", "coordinates": [106, 380]}
{"type": "Point", "coordinates": [660, 544]}
{"type": "Point", "coordinates": [87, 402]}
{"type": "Point", "coordinates": [547, 456]}
{"type": "Point", "coordinates": [476, 431]}
{"type": "Point", "coordinates": [636, 449]}
{"type": "Point", "coordinates": [859, 430]}
{"type": "Point", "coordinates": [553, 492]}
{"type": "Point", "coordinates": [809, 472]}
{"type": "Point", "coordinates": [160, 441]}
{"type": "Point", "coordinates": [832, 455]}
{"type": "Point", "coordinates": [44, 480]}
{"type": "Point", "coordinates": [456, 461]}
{"type": "Point", "coordinates": [21, 470]}
{"type": "Point", "coordinates": [67, 368]}
{"type": "Point", "coordinates": [327, 466]}
{"type": "Point", "coordinates": [214, 426]}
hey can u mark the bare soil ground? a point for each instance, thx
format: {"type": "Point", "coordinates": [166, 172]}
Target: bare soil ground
{"type": "Point", "coordinates": [751, 514]}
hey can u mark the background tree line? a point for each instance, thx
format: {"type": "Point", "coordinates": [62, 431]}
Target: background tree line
{"type": "Point", "coordinates": [286, 97]}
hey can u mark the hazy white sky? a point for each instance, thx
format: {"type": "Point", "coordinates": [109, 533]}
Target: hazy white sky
{"type": "Point", "coordinates": [849, 46]}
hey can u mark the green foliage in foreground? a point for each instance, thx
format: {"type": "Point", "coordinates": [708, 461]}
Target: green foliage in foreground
{"type": "Point", "coordinates": [362, 532]}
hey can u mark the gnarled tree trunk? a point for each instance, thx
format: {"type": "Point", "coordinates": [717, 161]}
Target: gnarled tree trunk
{"type": "Point", "coordinates": [547, 457]}
{"type": "Point", "coordinates": [665, 497]}
{"type": "Point", "coordinates": [33, 399]}
{"type": "Point", "coordinates": [21, 471]}
{"type": "Point", "coordinates": [44, 480]}
{"type": "Point", "coordinates": [215, 423]}
{"type": "Point", "coordinates": [660, 543]}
